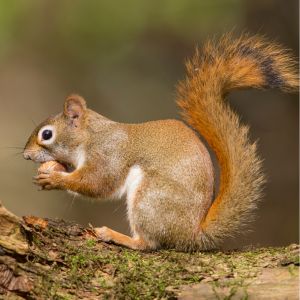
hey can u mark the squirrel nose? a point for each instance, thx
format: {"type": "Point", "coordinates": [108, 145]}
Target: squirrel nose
{"type": "Point", "coordinates": [26, 155]}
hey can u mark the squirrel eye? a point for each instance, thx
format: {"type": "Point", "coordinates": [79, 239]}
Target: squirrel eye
{"type": "Point", "coordinates": [47, 134]}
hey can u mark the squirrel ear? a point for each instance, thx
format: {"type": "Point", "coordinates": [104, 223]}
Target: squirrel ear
{"type": "Point", "coordinates": [74, 107]}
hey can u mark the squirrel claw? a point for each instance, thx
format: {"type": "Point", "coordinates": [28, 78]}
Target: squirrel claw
{"type": "Point", "coordinates": [47, 181]}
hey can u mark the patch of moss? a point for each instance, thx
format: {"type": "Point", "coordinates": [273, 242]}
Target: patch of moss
{"type": "Point", "coordinates": [86, 268]}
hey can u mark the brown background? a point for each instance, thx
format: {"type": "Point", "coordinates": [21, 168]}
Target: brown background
{"type": "Point", "coordinates": [125, 59]}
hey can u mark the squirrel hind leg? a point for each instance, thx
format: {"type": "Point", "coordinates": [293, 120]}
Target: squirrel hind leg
{"type": "Point", "coordinates": [167, 213]}
{"type": "Point", "coordinates": [108, 235]}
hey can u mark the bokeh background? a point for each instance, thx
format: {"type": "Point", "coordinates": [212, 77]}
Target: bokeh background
{"type": "Point", "coordinates": [125, 57]}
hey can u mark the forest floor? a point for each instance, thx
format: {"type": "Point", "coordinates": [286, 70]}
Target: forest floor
{"type": "Point", "coordinates": [53, 259]}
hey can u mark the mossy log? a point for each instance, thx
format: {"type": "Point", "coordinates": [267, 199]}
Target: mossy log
{"type": "Point", "coordinates": [54, 259]}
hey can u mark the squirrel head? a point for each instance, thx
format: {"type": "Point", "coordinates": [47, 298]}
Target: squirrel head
{"type": "Point", "coordinates": [59, 138]}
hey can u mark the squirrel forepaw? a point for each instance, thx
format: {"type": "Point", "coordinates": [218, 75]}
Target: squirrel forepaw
{"type": "Point", "coordinates": [48, 180]}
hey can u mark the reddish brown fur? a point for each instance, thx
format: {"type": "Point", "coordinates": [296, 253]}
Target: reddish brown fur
{"type": "Point", "coordinates": [162, 166]}
{"type": "Point", "coordinates": [221, 67]}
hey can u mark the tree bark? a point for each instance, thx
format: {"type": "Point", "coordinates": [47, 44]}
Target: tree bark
{"type": "Point", "coordinates": [54, 259]}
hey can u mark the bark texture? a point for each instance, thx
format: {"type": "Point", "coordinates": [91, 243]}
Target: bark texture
{"type": "Point", "coordinates": [54, 259]}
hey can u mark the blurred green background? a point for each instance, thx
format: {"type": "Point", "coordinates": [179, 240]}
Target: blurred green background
{"type": "Point", "coordinates": [125, 57]}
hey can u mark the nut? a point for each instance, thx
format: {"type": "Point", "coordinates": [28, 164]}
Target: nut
{"type": "Point", "coordinates": [52, 165]}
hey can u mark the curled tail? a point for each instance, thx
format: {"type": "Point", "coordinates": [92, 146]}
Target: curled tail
{"type": "Point", "coordinates": [232, 64]}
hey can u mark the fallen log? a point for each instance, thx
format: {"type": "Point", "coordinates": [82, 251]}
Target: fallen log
{"type": "Point", "coordinates": [55, 259]}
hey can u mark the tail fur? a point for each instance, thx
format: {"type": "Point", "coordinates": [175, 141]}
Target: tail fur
{"type": "Point", "coordinates": [248, 61]}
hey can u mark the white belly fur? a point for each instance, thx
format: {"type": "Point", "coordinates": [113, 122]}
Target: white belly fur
{"type": "Point", "coordinates": [131, 185]}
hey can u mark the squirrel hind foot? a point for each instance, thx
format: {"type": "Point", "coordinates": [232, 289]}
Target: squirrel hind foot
{"type": "Point", "coordinates": [108, 235]}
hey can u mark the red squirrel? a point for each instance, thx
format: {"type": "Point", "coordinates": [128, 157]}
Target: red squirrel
{"type": "Point", "coordinates": [162, 167]}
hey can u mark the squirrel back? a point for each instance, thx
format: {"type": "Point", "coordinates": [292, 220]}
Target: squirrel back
{"type": "Point", "coordinates": [246, 62]}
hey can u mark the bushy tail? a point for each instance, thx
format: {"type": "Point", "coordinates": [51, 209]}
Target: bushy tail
{"type": "Point", "coordinates": [248, 61]}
